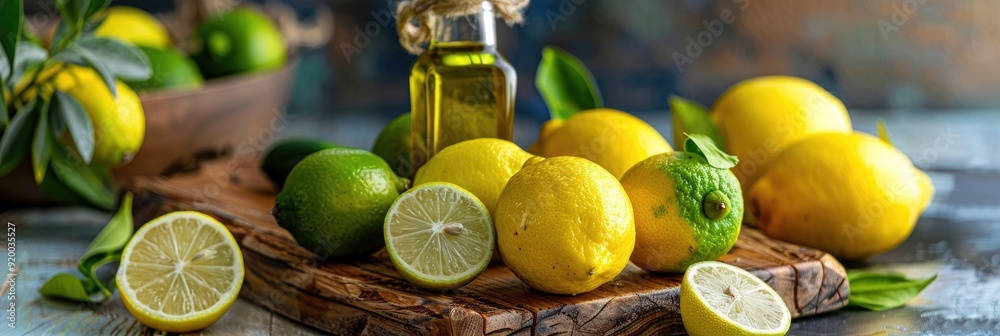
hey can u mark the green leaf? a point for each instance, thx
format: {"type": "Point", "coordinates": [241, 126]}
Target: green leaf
{"type": "Point", "coordinates": [76, 119]}
{"type": "Point", "coordinates": [29, 55]}
{"type": "Point", "coordinates": [73, 12]}
{"type": "Point", "coordinates": [123, 61]}
{"type": "Point", "coordinates": [95, 6]}
{"type": "Point", "coordinates": [65, 286]}
{"type": "Point", "coordinates": [691, 117]}
{"type": "Point", "coordinates": [41, 147]}
{"type": "Point", "coordinates": [883, 131]}
{"type": "Point", "coordinates": [85, 180]}
{"type": "Point", "coordinates": [565, 84]}
{"type": "Point", "coordinates": [106, 248]}
{"type": "Point", "coordinates": [4, 118]}
{"type": "Point", "coordinates": [16, 138]}
{"type": "Point", "coordinates": [703, 145]}
{"type": "Point", "coordinates": [882, 291]}
{"type": "Point", "coordinates": [102, 69]}
{"type": "Point", "coordinates": [11, 23]}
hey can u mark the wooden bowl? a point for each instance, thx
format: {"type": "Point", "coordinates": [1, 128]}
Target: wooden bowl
{"type": "Point", "coordinates": [236, 116]}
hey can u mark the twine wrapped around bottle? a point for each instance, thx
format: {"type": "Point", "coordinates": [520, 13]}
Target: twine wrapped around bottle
{"type": "Point", "coordinates": [415, 17]}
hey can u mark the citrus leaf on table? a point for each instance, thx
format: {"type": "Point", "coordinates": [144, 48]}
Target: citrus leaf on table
{"type": "Point", "coordinates": [16, 137]}
{"type": "Point", "coordinates": [704, 146]}
{"type": "Point", "coordinates": [882, 291]}
{"type": "Point", "coordinates": [123, 61]}
{"type": "Point", "coordinates": [691, 117]}
{"type": "Point", "coordinates": [78, 122]}
{"type": "Point", "coordinates": [106, 248]}
{"type": "Point", "coordinates": [11, 23]}
{"type": "Point", "coordinates": [565, 84]}
{"type": "Point", "coordinates": [41, 147]}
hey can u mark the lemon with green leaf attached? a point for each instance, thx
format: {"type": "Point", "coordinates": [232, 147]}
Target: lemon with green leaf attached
{"type": "Point", "coordinates": [686, 209]}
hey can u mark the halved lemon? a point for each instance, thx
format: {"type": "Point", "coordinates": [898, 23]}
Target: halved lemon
{"type": "Point", "coordinates": [719, 299]}
{"type": "Point", "coordinates": [439, 236]}
{"type": "Point", "coordinates": [180, 272]}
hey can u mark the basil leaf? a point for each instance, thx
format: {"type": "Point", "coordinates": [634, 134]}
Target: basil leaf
{"type": "Point", "coordinates": [106, 248]}
{"type": "Point", "coordinates": [11, 23]}
{"type": "Point", "coordinates": [882, 291]}
{"type": "Point", "coordinates": [883, 131]}
{"type": "Point", "coordinates": [123, 61]}
{"type": "Point", "coordinates": [41, 148]}
{"type": "Point", "coordinates": [76, 119]}
{"type": "Point", "coordinates": [85, 180]}
{"type": "Point", "coordinates": [17, 136]}
{"type": "Point", "coordinates": [99, 66]}
{"type": "Point", "coordinates": [691, 117]}
{"type": "Point", "coordinates": [703, 145]}
{"type": "Point", "coordinates": [65, 286]}
{"type": "Point", "coordinates": [565, 84]}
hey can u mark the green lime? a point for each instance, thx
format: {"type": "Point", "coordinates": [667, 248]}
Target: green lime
{"type": "Point", "coordinates": [719, 299]}
{"type": "Point", "coordinates": [686, 211]}
{"type": "Point", "coordinates": [239, 41]}
{"type": "Point", "coordinates": [439, 236]}
{"type": "Point", "coordinates": [395, 146]}
{"type": "Point", "coordinates": [335, 200]}
{"type": "Point", "coordinates": [280, 160]}
{"type": "Point", "coordinates": [171, 70]}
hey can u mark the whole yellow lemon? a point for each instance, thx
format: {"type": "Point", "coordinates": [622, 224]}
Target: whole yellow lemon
{"type": "Point", "coordinates": [852, 195]}
{"type": "Point", "coordinates": [686, 211]}
{"type": "Point", "coordinates": [761, 116]}
{"type": "Point", "coordinates": [135, 26]}
{"type": "Point", "coordinates": [481, 166]}
{"type": "Point", "coordinates": [564, 225]}
{"type": "Point", "coordinates": [119, 121]}
{"type": "Point", "coordinates": [613, 139]}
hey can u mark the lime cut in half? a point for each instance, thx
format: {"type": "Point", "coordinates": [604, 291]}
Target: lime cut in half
{"type": "Point", "coordinates": [439, 236]}
{"type": "Point", "coordinates": [720, 299]}
{"type": "Point", "coordinates": [180, 272]}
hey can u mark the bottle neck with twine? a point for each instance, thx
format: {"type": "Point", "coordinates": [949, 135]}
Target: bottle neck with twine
{"type": "Point", "coordinates": [417, 20]}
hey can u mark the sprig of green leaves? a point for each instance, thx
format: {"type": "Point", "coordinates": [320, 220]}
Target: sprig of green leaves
{"type": "Point", "coordinates": [43, 114]}
{"type": "Point", "coordinates": [566, 85]}
{"type": "Point", "coordinates": [106, 248]}
{"type": "Point", "coordinates": [692, 117]}
{"type": "Point", "coordinates": [880, 291]}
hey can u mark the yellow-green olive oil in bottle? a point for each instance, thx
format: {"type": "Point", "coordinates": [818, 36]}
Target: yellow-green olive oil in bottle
{"type": "Point", "coordinates": [461, 88]}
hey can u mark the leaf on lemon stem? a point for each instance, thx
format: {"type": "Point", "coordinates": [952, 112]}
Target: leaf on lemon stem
{"type": "Point", "coordinates": [76, 119]}
{"type": "Point", "coordinates": [691, 117]}
{"type": "Point", "coordinates": [704, 146]}
{"type": "Point", "coordinates": [882, 291]}
{"type": "Point", "coordinates": [83, 179]}
{"type": "Point", "coordinates": [41, 147]}
{"type": "Point", "coordinates": [99, 66]}
{"type": "Point", "coordinates": [106, 248]}
{"type": "Point", "coordinates": [883, 132]}
{"type": "Point", "coordinates": [565, 84]}
{"type": "Point", "coordinates": [16, 137]}
{"type": "Point", "coordinates": [123, 61]}
{"type": "Point", "coordinates": [11, 23]}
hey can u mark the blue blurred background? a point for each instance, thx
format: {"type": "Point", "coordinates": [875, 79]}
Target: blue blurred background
{"type": "Point", "coordinates": [886, 54]}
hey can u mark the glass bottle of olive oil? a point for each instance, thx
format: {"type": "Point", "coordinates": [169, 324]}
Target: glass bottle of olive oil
{"type": "Point", "coordinates": [461, 88]}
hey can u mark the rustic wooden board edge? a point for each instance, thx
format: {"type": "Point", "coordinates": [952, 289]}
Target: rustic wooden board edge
{"type": "Point", "coordinates": [824, 278]}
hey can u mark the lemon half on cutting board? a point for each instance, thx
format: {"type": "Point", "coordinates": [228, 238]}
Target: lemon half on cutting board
{"type": "Point", "coordinates": [720, 299]}
{"type": "Point", "coordinates": [180, 272]}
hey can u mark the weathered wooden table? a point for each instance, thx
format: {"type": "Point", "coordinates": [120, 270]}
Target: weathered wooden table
{"type": "Point", "coordinates": [958, 238]}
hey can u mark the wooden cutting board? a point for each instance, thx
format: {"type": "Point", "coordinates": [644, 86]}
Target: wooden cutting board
{"type": "Point", "coordinates": [368, 296]}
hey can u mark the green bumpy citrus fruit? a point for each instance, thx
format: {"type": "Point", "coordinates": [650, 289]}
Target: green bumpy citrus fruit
{"type": "Point", "coordinates": [395, 145]}
{"type": "Point", "coordinates": [335, 200]}
{"type": "Point", "coordinates": [240, 41]}
{"type": "Point", "coordinates": [171, 70]}
{"type": "Point", "coordinates": [686, 211]}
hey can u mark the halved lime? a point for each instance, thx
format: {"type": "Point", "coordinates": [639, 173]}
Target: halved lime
{"type": "Point", "coordinates": [439, 236]}
{"type": "Point", "coordinates": [719, 299]}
